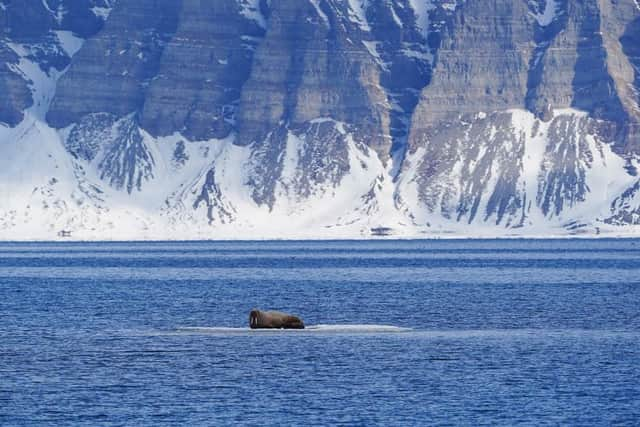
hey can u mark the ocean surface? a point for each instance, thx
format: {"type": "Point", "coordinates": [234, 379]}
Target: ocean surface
{"type": "Point", "coordinates": [472, 332]}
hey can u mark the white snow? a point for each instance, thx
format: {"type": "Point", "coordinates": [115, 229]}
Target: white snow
{"type": "Point", "coordinates": [101, 12]}
{"type": "Point", "coordinates": [605, 178]}
{"type": "Point", "coordinates": [70, 43]}
{"type": "Point", "coordinates": [422, 56]}
{"type": "Point", "coordinates": [358, 13]}
{"type": "Point", "coordinates": [44, 190]}
{"type": "Point", "coordinates": [372, 48]}
{"type": "Point", "coordinates": [421, 10]}
{"type": "Point", "coordinates": [250, 9]}
{"type": "Point", "coordinates": [450, 5]}
{"type": "Point", "coordinates": [549, 13]}
{"type": "Point", "coordinates": [53, 197]}
{"type": "Point", "coordinates": [395, 16]}
{"type": "Point", "coordinates": [42, 85]}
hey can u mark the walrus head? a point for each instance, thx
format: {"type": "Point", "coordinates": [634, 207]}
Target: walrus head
{"type": "Point", "coordinates": [254, 319]}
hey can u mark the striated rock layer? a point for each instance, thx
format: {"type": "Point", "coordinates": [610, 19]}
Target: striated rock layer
{"type": "Point", "coordinates": [241, 118]}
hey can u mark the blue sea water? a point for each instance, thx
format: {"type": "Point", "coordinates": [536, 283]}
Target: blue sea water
{"type": "Point", "coordinates": [502, 332]}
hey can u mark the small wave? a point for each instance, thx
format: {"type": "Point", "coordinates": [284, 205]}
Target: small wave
{"type": "Point", "coordinates": [318, 329]}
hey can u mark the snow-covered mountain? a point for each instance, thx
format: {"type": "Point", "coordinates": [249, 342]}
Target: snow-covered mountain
{"type": "Point", "coordinates": [318, 118]}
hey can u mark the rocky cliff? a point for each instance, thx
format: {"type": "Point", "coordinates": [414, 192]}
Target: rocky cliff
{"type": "Point", "coordinates": [245, 118]}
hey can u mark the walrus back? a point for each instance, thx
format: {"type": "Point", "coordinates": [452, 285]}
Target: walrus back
{"type": "Point", "coordinates": [293, 322]}
{"type": "Point", "coordinates": [273, 320]}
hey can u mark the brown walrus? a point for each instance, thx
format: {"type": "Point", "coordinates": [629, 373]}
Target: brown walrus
{"type": "Point", "coordinates": [273, 320]}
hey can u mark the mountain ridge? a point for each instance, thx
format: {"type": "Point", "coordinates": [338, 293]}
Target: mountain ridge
{"type": "Point", "coordinates": [319, 118]}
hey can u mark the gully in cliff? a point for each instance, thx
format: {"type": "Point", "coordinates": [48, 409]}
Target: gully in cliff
{"type": "Point", "coordinates": [274, 320]}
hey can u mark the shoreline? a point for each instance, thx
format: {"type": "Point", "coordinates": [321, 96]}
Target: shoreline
{"type": "Point", "coordinates": [330, 239]}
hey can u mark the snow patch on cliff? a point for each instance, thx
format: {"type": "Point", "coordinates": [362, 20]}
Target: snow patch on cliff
{"type": "Point", "coordinates": [250, 9]}
{"type": "Point", "coordinates": [546, 15]}
{"type": "Point", "coordinates": [358, 13]}
{"type": "Point", "coordinates": [42, 84]}
{"type": "Point", "coordinates": [421, 9]}
{"type": "Point", "coordinates": [69, 43]}
{"type": "Point", "coordinates": [446, 207]}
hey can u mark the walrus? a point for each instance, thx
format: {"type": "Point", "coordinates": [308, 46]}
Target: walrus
{"type": "Point", "coordinates": [273, 320]}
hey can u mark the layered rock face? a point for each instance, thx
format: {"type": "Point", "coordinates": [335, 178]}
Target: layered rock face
{"type": "Point", "coordinates": [16, 95]}
{"type": "Point", "coordinates": [309, 67]}
{"type": "Point", "coordinates": [507, 116]}
{"type": "Point", "coordinates": [542, 57]}
{"type": "Point", "coordinates": [33, 29]}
